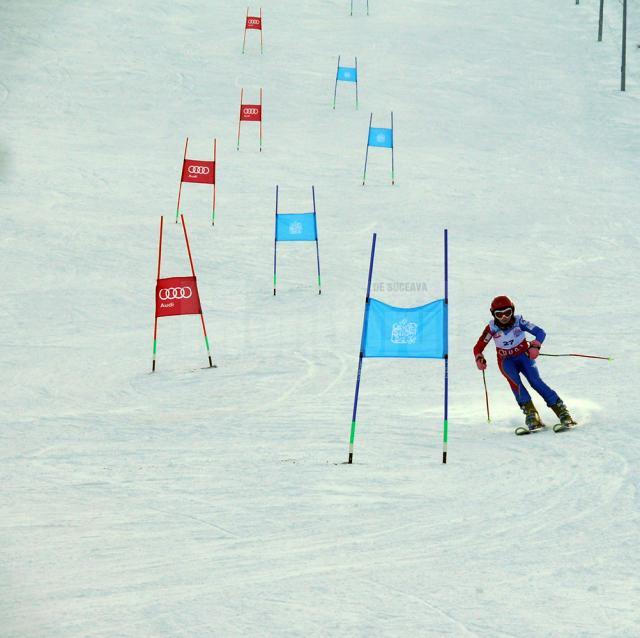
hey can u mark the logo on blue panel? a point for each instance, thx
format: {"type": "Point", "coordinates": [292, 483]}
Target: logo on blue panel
{"type": "Point", "coordinates": [404, 332]}
{"type": "Point", "coordinates": [295, 228]}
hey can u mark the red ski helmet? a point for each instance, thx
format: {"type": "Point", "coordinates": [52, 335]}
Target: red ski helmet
{"type": "Point", "coordinates": [502, 302]}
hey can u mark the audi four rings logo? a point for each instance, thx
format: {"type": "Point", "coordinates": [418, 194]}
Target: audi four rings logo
{"type": "Point", "coordinates": [175, 293]}
{"type": "Point", "coordinates": [254, 21]}
{"type": "Point", "coordinates": [198, 170]}
{"type": "Point", "coordinates": [250, 111]}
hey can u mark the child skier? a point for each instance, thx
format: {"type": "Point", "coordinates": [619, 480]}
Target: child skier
{"type": "Point", "coordinates": [515, 357]}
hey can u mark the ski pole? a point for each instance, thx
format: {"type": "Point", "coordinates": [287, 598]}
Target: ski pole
{"type": "Point", "coordinates": [486, 396]}
{"type": "Point", "coordinates": [572, 354]}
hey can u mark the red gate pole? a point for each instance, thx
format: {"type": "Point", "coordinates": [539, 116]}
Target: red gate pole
{"type": "Point", "coordinates": [181, 172]}
{"type": "Point", "coordinates": [155, 323]}
{"type": "Point", "coordinates": [215, 166]}
{"type": "Point", "coordinates": [245, 30]}
{"type": "Point", "coordinates": [261, 28]}
{"type": "Point", "coordinates": [239, 119]}
{"type": "Point", "coordinates": [261, 117]}
{"type": "Point", "coordinates": [193, 272]}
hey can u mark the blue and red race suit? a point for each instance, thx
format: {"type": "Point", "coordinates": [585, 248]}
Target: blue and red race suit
{"type": "Point", "coordinates": [513, 358]}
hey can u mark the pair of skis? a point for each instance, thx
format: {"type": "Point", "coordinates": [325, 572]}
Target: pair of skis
{"type": "Point", "coordinates": [558, 427]}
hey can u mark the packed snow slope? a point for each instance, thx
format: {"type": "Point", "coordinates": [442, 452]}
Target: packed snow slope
{"type": "Point", "coordinates": [215, 502]}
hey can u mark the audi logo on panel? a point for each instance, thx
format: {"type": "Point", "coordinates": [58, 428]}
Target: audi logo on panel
{"type": "Point", "coordinates": [250, 111]}
{"type": "Point", "coordinates": [175, 293]}
{"type": "Point", "coordinates": [199, 170]}
{"type": "Point", "coordinates": [253, 21]}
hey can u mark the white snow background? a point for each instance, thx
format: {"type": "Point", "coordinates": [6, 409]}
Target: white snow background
{"type": "Point", "coordinates": [197, 502]}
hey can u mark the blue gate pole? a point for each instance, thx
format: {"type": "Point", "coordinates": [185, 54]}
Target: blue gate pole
{"type": "Point", "coordinates": [364, 325]}
{"type": "Point", "coordinates": [623, 66]}
{"type": "Point", "coordinates": [600, 20]}
{"type": "Point", "coordinates": [356, 84]}
{"type": "Point", "coordinates": [392, 145]}
{"type": "Point", "coordinates": [335, 89]}
{"type": "Point", "coordinates": [315, 224]}
{"type": "Point", "coordinates": [275, 243]}
{"type": "Point", "coordinates": [366, 156]}
{"type": "Point", "coordinates": [446, 356]}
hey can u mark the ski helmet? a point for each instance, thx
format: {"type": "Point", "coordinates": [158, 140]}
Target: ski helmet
{"type": "Point", "coordinates": [502, 302]}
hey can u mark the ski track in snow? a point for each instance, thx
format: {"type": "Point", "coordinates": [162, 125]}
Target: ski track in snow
{"type": "Point", "coordinates": [197, 502]}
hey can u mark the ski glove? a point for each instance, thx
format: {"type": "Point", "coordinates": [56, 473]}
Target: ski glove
{"type": "Point", "coordinates": [481, 362]}
{"type": "Point", "coordinates": [534, 349]}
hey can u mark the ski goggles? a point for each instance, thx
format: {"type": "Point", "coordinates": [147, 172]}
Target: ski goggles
{"type": "Point", "coordinates": [503, 314]}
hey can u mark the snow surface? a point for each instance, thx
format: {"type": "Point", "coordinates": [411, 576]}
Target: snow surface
{"type": "Point", "coordinates": [196, 502]}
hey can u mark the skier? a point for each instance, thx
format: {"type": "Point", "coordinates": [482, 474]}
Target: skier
{"type": "Point", "coordinates": [515, 357]}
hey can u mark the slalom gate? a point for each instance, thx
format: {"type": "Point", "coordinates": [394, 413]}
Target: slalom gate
{"type": "Point", "coordinates": [177, 296]}
{"type": "Point", "coordinates": [250, 113]}
{"type": "Point", "coordinates": [198, 172]}
{"type": "Point", "coordinates": [346, 74]}
{"type": "Point", "coordinates": [296, 227]}
{"type": "Point", "coordinates": [382, 137]}
{"type": "Point", "coordinates": [417, 333]}
{"type": "Point", "coordinates": [366, 3]}
{"type": "Point", "coordinates": [252, 23]}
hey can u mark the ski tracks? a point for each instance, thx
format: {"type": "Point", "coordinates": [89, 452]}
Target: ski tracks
{"type": "Point", "coordinates": [460, 628]}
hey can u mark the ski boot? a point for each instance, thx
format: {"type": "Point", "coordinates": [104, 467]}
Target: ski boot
{"type": "Point", "coordinates": [532, 418]}
{"type": "Point", "coordinates": [561, 411]}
